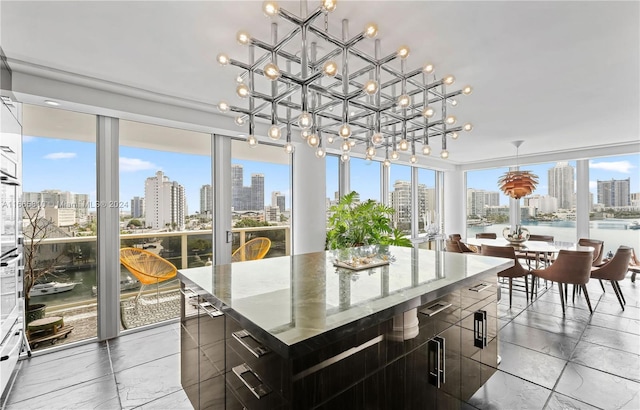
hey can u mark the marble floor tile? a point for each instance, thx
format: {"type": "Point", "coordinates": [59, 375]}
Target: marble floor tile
{"type": "Point", "coordinates": [553, 324]}
{"type": "Point", "coordinates": [530, 365]}
{"type": "Point", "coordinates": [134, 351]}
{"type": "Point", "coordinates": [616, 322]}
{"type": "Point", "coordinates": [504, 391]}
{"type": "Point", "coordinates": [549, 343]}
{"type": "Point", "coordinates": [602, 358]}
{"type": "Point", "coordinates": [614, 339]}
{"type": "Point", "coordinates": [629, 312]}
{"type": "Point", "coordinates": [598, 388]}
{"type": "Point", "coordinates": [560, 402]}
{"type": "Point", "coordinates": [174, 401]}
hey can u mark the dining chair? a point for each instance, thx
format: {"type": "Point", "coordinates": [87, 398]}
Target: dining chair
{"type": "Point", "coordinates": [464, 248]}
{"type": "Point", "coordinates": [536, 257]}
{"type": "Point", "coordinates": [634, 265]}
{"type": "Point", "coordinates": [455, 237]}
{"type": "Point", "coordinates": [487, 235]}
{"type": "Point", "coordinates": [452, 246]}
{"type": "Point", "coordinates": [615, 270]}
{"type": "Point", "coordinates": [569, 268]}
{"type": "Point", "coordinates": [516, 271]}
{"type": "Point", "coordinates": [598, 251]}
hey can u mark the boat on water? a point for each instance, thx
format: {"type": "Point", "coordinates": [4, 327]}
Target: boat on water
{"type": "Point", "coordinates": [125, 284]}
{"type": "Point", "coordinates": [51, 288]}
{"type": "Point", "coordinates": [634, 225]}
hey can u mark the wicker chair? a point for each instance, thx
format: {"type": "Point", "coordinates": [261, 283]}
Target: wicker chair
{"type": "Point", "coordinates": [615, 270]}
{"type": "Point", "coordinates": [516, 271]}
{"type": "Point", "coordinates": [570, 267]}
{"type": "Point", "coordinates": [255, 249]}
{"type": "Point", "coordinates": [147, 267]}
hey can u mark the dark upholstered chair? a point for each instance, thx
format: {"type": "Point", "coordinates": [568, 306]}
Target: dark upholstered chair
{"type": "Point", "coordinates": [615, 270]}
{"type": "Point", "coordinates": [536, 257]}
{"type": "Point", "coordinates": [570, 267]}
{"type": "Point", "coordinates": [487, 235]}
{"type": "Point", "coordinates": [455, 237]}
{"type": "Point", "coordinates": [541, 238]}
{"type": "Point", "coordinates": [452, 246]}
{"type": "Point", "coordinates": [634, 265]}
{"type": "Point", "coordinates": [598, 251]}
{"type": "Point", "coordinates": [516, 271]}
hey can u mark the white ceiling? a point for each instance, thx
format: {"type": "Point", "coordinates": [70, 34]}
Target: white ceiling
{"type": "Point", "coordinates": [560, 75]}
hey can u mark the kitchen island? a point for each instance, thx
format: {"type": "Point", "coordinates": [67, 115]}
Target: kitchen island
{"type": "Point", "coordinates": [297, 332]}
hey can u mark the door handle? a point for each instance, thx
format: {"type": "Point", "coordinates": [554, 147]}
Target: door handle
{"type": "Point", "coordinates": [480, 329]}
{"type": "Point", "coordinates": [436, 361]}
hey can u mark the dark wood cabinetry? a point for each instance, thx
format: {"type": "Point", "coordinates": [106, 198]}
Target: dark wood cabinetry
{"type": "Point", "coordinates": [433, 356]}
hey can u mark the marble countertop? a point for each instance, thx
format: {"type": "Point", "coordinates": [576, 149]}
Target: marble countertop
{"type": "Point", "coordinates": [297, 302]}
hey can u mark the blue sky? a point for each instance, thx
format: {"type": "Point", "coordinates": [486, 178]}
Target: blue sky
{"type": "Point", "coordinates": [70, 166]}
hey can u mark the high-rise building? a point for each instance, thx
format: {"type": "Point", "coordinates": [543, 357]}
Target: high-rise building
{"type": "Point", "coordinates": [53, 198]}
{"type": "Point", "coordinates": [165, 202]}
{"type": "Point", "coordinates": [479, 201]}
{"type": "Point", "coordinates": [237, 180]}
{"type": "Point", "coordinates": [278, 199]}
{"type": "Point", "coordinates": [544, 204]}
{"type": "Point", "coordinates": [614, 193]}
{"type": "Point", "coordinates": [206, 199]}
{"type": "Point", "coordinates": [561, 184]}
{"type": "Point", "coordinates": [257, 192]}
{"type": "Point", "coordinates": [400, 200]}
{"type": "Point", "coordinates": [137, 207]}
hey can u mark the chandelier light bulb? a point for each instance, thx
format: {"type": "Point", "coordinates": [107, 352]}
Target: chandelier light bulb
{"type": "Point", "coordinates": [377, 138]}
{"type": "Point", "coordinates": [386, 162]}
{"type": "Point", "coordinates": [328, 5]}
{"type": "Point", "coordinates": [305, 121]}
{"type": "Point", "coordinates": [223, 59]}
{"type": "Point", "coordinates": [313, 140]}
{"type": "Point", "coordinates": [239, 78]}
{"type": "Point", "coordinates": [288, 148]}
{"type": "Point", "coordinates": [223, 106]}
{"type": "Point", "coordinates": [305, 134]}
{"type": "Point", "coordinates": [344, 131]}
{"type": "Point", "coordinates": [454, 135]}
{"type": "Point", "coordinates": [320, 152]}
{"type": "Point", "coordinates": [270, 8]}
{"type": "Point", "coordinates": [371, 152]}
{"type": "Point", "coordinates": [444, 154]}
{"type": "Point", "coordinates": [371, 87]}
{"type": "Point", "coordinates": [428, 112]}
{"type": "Point", "coordinates": [252, 141]}
{"type": "Point", "coordinates": [330, 68]}
{"type": "Point", "coordinates": [467, 89]}
{"type": "Point", "coordinates": [274, 132]}
{"type": "Point", "coordinates": [345, 146]}
{"type": "Point", "coordinates": [395, 155]}
{"type": "Point", "coordinates": [239, 121]}
{"type": "Point", "coordinates": [453, 102]}
{"type": "Point", "coordinates": [413, 159]}
{"type": "Point", "coordinates": [243, 38]}
{"type": "Point", "coordinates": [404, 100]}
{"type": "Point", "coordinates": [467, 127]}
{"type": "Point", "coordinates": [449, 79]}
{"type": "Point", "coordinates": [451, 119]}
{"type": "Point", "coordinates": [426, 150]}
{"type": "Point", "coordinates": [403, 145]}
{"type": "Point", "coordinates": [370, 30]}
{"type": "Point", "coordinates": [345, 157]}
{"type": "Point", "coordinates": [242, 90]}
{"type": "Point", "coordinates": [403, 52]}
{"type": "Point", "coordinates": [428, 68]}
{"type": "Point", "coordinates": [271, 71]}
{"type": "Point", "coordinates": [330, 139]}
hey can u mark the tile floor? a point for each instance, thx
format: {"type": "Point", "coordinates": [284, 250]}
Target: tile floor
{"type": "Point", "coordinates": [548, 362]}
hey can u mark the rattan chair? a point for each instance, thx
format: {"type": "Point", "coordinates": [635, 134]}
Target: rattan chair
{"type": "Point", "coordinates": [516, 271]}
{"type": "Point", "coordinates": [255, 249]}
{"type": "Point", "coordinates": [570, 267]}
{"type": "Point", "coordinates": [147, 267]}
{"type": "Point", "coordinates": [615, 270]}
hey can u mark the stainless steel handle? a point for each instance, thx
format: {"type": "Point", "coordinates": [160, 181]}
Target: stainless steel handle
{"type": "Point", "coordinates": [480, 287]}
{"type": "Point", "coordinates": [480, 329]}
{"type": "Point", "coordinates": [210, 309]}
{"type": "Point", "coordinates": [192, 292]}
{"type": "Point", "coordinates": [251, 380]}
{"type": "Point", "coordinates": [242, 335]}
{"type": "Point", "coordinates": [436, 361]}
{"type": "Point", "coordinates": [435, 308]}
{"type": "Point", "coordinates": [14, 258]}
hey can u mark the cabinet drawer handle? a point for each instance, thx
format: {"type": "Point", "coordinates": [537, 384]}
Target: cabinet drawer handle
{"type": "Point", "coordinates": [251, 380]}
{"type": "Point", "coordinates": [192, 293]}
{"type": "Point", "coordinates": [480, 287]}
{"type": "Point", "coordinates": [210, 309]}
{"type": "Point", "coordinates": [436, 361]}
{"type": "Point", "coordinates": [435, 308]}
{"type": "Point", "coordinates": [242, 336]}
{"type": "Point", "coordinates": [480, 329]}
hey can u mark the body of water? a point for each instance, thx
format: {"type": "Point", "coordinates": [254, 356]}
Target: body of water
{"type": "Point", "coordinates": [614, 232]}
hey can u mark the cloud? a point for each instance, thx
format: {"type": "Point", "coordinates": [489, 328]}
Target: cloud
{"type": "Point", "coordinates": [135, 164]}
{"type": "Point", "coordinates": [623, 167]}
{"type": "Point", "coordinates": [60, 155]}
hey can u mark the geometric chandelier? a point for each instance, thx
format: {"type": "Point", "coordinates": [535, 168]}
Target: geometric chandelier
{"type": "Point", "coordinates": [517, 184]}
{"type": "Point", "coordinates": [337, 89]}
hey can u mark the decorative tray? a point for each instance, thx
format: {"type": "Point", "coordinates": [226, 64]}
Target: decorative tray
{"type": "Point", "coordinates": [360, 263]}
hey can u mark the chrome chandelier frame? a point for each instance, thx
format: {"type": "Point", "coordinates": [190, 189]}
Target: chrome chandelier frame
{"type": "Point", "coordinates": [369, 100]}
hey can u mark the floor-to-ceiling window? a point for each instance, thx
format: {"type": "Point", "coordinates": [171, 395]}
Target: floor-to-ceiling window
{"type": "Point", "coordinates": [427, 207]}
{"type": "Point", "coordinates": [487, 207]}
{"type": "Point", "coordinates": [400, 196]}
{"type": "Point", "coordinates": [332, 181]}
{"type": "Point", "coordinates": [365, 178]}
{"type": "Point", "coordinates": [59, 218]}
{"type": "Point", "coordinates": [166, 208]}
{"type": "Point", "coordinates": [261, 197]}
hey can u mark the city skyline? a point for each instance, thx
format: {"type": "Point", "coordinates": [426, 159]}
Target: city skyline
{"type": "Point", "coordinates": [55, 157]}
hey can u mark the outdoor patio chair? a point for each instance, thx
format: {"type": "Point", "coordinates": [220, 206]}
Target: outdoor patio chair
{"type": "Point", "coordinates": [255, 249]}
{"type": "Point", "coordinates": [147, 267]}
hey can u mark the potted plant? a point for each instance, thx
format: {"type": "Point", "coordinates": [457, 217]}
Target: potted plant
{"type": "Point", "coordinates": [355, 223]}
